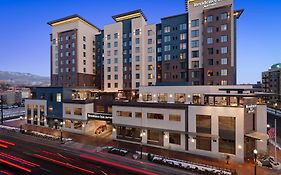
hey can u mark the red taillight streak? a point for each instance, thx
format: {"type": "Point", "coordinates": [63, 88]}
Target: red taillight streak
{"type": "Point", "coordinates": [15, 165]}
{"type": "Point", "coordinates": [3, 146]}
{"type": "Point", "coordinates": [117, 165]}
{"type": "Point", "coordinates": [8, 143]}
{"type": "Point", "coordinates": [64, 164]}
{"type": "Point", "coordinates": [56, 154]}
{"type": "Point", "coordinates": [19, 160]}
{"type": "Point", "coordinates": [5, 172]}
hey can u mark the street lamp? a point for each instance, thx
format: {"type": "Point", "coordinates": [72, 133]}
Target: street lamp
{"type": "Point", "coordinates": [61, 124]}
{"type": "Point", "coordinates": [141, 136]}
{"type": "Point", "coordinates": [255, 159]}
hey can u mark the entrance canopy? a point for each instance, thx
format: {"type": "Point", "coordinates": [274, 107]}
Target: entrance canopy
{"type": "Point", "coordinates": [258, 136]}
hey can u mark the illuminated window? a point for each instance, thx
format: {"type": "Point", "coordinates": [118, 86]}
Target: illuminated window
{"type": "Point", "coordinates": [174, 117]}
{"type": "Point", "coordinates": [68, 111]}
{"type": "Point", "coordinates": [77, 111]}
{"type": "Point", "coordinates": [58, 97]}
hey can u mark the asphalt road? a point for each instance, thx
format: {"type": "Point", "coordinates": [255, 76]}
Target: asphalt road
{"type": "Point", "coordinates": [30, 155]}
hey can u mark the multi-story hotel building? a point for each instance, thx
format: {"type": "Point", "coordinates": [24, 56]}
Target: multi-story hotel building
{"type": "Point", "coordinates": [73, 52]}
{"type": "Point", "coordinates": [129, 52]}
{"type": "Point", "coordinates": [212, 42]}
{"type": "Point", "coordinates": [271, 83]}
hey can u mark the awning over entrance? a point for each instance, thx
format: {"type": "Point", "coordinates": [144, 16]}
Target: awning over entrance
{"type": "Point", "coordinates": [258, 136]}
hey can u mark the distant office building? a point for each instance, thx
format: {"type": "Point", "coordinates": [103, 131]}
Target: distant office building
{"type": "Point", "coordinates": [73, 52]}
{"type": "Point", "coordinates": [11, 97]}
{"type": "Point", "coordinates": [271, 82]}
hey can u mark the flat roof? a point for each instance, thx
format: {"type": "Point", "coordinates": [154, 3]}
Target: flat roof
{"type": "Point", "coordinates": [173, 16]}
{"type": "Point", "coordinates": [129, 15]}
{"type": "Point", "coordinates": [70, 18]}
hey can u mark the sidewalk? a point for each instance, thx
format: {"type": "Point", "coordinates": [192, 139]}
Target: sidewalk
{"type": "Point", "coordinates": [91, 143]}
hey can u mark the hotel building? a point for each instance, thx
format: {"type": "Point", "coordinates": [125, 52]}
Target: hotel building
{"type": "Point", "coordinates": [72, 48]}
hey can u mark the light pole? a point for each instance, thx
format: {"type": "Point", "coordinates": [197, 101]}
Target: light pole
{"type": "Point", "coordinates": [255, 159]}
{"type": "Point", "coordinates": [141, 135]}
{"type": "Point", "coordinates": [61, 124]}
{"type": "Point", "coordinates": [2, 112]}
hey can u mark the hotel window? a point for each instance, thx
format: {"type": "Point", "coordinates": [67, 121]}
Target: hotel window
{"type": "Point", "coordinates": [108, 77]}
{"type": "Point", "coordinates": [73, 53]}
{"type": "Point", "coordinates": [196, 98]}
{"type": "Point", "coordinates": [108, 85]}
{"type": "Point", "coordinates": [115, 35]}
{"type": "Point", "coordinates": [224, 50]}
{"type": "Point", "coordinates": [150, 67]}
{"type": "Point", "coordinates": [210, 73]}
{"type": "Point", "coordinates": [175, 138]}
{"type": "Point", "coordinates": [203, 125]}
{"type": "Point", "coordinates": [77, 111]}
{"type": "Point", "coordinates": [108, 37]}
{"type": "Point", "coordinates": [115, 77]}
{"type": "Point", "coordinates": [58, 97]}
{"type": "Point", "coordinates": [223, 16]}
{"type": "Point", "coordinates": [124, 35]}
{"type": "Point", "coordinates": [115, 44]}
{"type": "Point", "coordinates": [195, 54]}
{"type": "Point", "coordinates": [137, 49]}
{"type": "Point", "coordinates": [84, 38]}
{"type": "Point", "coordinates": [68, 111]}
{"type": "Point", "coordinates": [61, 39]}
{"type": "Point", "coordinates": [84, 54]}
{"type": "Point", "coordinates": [182, 56]}
{"type": "Point", "coordinates": [73, 36]}
{"type": "Point", "coordinates": [137, 58]}
{"type": "Point", "coordinates": [149, 50]}
{"type": "Point", "coordinates": [137, 76]}
{"type": "Point", "coordinates": [194, 43]}
{"type": "Point", "coordinates": [167, 48]}
{"type": "Point", "coordinates": [159, 49]}
{"type": "Point", "coordinates": [115, 60]}
{"type": "Point", "coordinates": [223, 82]}
{"type": "Point", "coordinates": [124, 114]}
{"type": "Point", "coordinates": [137, 67]}
{"type": "Point", "coordinates": [224, 27]}
{"type": "Point", "coordinates": [167, 57]}
{"type": "Point", "coordinates": [124, 43]}
{"type": "Point", "coordinates": [149, 41]}
{"type": "Point", "coordinates": [194, 33]}
{"type": "Point", "coordinates": [137, 40]}
{"type": "Point", "coordinates": [138, 115]}
{"type": "Point", "coordinates": [108, 45]}
{"type": "Point", "coordinates": [183, 36]}
{"type": "Point", "coordinates": [115, 52]}
{"type": "Point", "coordinates": [159, 41]}
{"type": "Point", "coordinates": [209, 18]}
{"type": "Point", "coordinates": [109, 61]}
{"type": "Point", "coordinates": [84, 62]}
{"type": "Point", "coordinates": [167, 38]}
{"type": "Point", "coordinates": [115, 68]}
{"type": "Point", "coordinates": [224, 38]}
{"type": "Point", "coordinates": [155, 116]}
{"type": "Point", "coordinates": [180, 98]}
{"type": "Point", "coordinates": [224, 61]}
{"type": "Point", "coordinates": [210, 30]}
{"type": "Point", "coordinates": [163, 97]}
{"type": "Point", "coordinates": [50, 109]}
{"type": "Point", "coordinates": [195, 64]}
{"type": "Point", "coordinates": [61, 70]}
{"type": "Point", "coordinates": [210, 51]}
{"type": "Point", "coordinates": [195, 23]}
{"type": "Point", "coordinates": [159, 58]}
{"type": "Point", "coordinates": [84, 46]}
{"type": "Point", "coordinates": [150, 76]}
{"type": "Point", "coordinates": [182, 46]}
{"type": "Point", "coordinates": [174, 117]}
{"type": "Point", "coordinates": [116, 84]}
{"type": "Point", "coordinates": [224, 72]}
{"type": "Point", "coordinates": [210, 62]}
{"type": "Point", "coordinates": [137, 84]}
{"type": "Point", "coordinates": [227, 133]}
{"type": "Point", "coordinates": [167, 29]}
{"type": "Point", "coordinates": [149, 32]}
{"type": "Point", "coordinates": [183, 26]}
{"type": "Point", "coordinates": [137, 31]}
{"type": "Point", "coordinates": [73, 69]}
{"type": "Point", "coordinates": [210, 41]}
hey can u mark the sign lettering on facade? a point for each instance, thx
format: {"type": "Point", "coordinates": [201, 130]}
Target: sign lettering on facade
{"type": "Point", "coordinates": [100, 116]}
{"type": "Point", "coordinates": [251, 108]}
{"type": "Point", "coordinates": [207, 3]}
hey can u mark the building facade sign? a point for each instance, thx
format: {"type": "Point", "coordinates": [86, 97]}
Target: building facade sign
{"type": "Point", "coordinates": [100, 116]}
{"type": "Point", "coordinates": [251, 108]}
{"type": "Point", "coordinates": [207, 3]}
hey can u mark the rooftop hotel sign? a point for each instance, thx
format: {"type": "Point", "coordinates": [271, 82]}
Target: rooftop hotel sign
{"type": "Point", "coordinates": [206, 3]}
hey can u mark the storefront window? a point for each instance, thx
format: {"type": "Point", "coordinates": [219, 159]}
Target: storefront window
{"type": "Point", "coordinates": [138, 115]}
{"type": "Point", "coordinates": [155, 116]}
{"type": "Point", "coordinates": [147, 97]}
{"type": "Point", "coordinates": [203, 125]}
{"type": "Point", "coordinates": [68, 111]}
{"type": "Point", "coordinates": [174, 117]}
{"type": "Point", "coordinates": [67, 124]}
{"type": "Point", "coordinates": [175, 138]}
{"type": "Point", "coordinates": [99, 109]}
{"type": "Point", "coordinates": [163, 97]}
{"type": "Point", "coordinates": [109, 109]}
{"type": "Point", "coordinates": [180, 98]}
{"type": "Point", "coordinates": [124, 114]}
{"type": "Point", "coordinates": [77, 111]}
{"type": "Point", "coordinates": [78, 125]}
{"type": "Point", "coordinates": [227, 134]}
{"type": "Point", "coordinates": [196, 99]}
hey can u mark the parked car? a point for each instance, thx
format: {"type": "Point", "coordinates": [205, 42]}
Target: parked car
{"type": "Point", "coordinates": [121, 152]}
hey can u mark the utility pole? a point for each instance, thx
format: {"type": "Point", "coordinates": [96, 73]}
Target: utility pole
{"type": "Point", "coordinates": [2, 112]}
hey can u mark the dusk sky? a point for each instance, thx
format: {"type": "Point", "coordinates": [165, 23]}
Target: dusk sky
{"type": "Point", "coordinates": [25, 45]}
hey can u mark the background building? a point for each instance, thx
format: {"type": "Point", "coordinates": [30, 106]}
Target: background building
{"type": "Point", "coordinates": [271, 82]}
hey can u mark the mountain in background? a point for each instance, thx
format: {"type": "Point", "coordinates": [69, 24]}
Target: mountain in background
{"type": "Point", "coordinates": [27, 79]}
